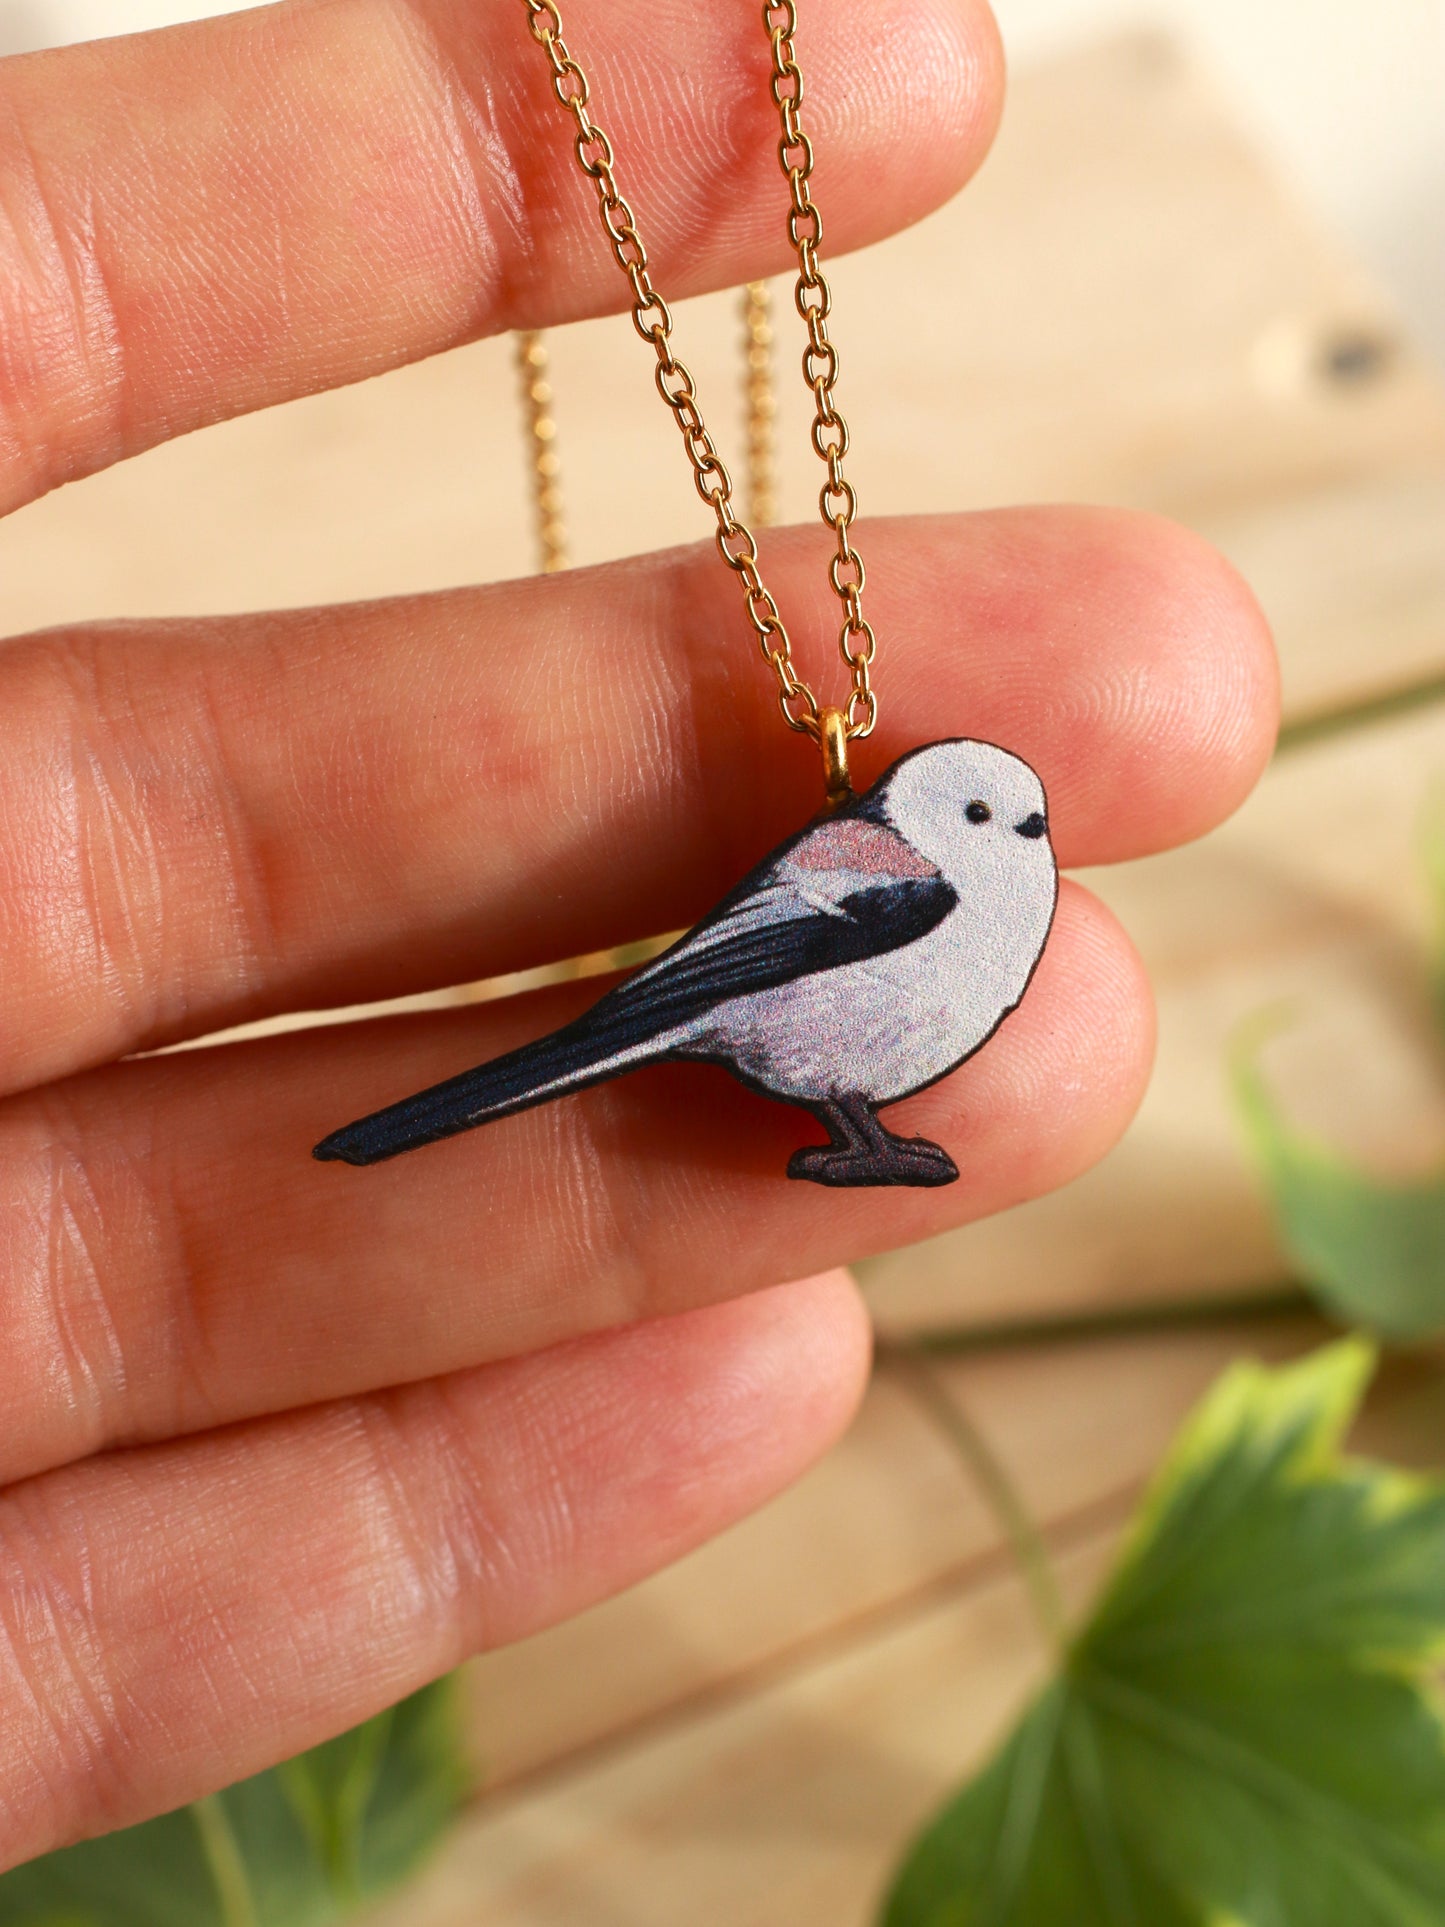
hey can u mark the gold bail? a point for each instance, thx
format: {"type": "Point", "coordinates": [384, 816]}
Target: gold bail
{"type": "Point", "coordinates": [833, 741]}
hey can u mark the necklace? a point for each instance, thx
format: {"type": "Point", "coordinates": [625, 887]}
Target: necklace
{"type": "Point", "coordinates": [534, 380]}
{"type": "Point", "coordinates": [873, 952]}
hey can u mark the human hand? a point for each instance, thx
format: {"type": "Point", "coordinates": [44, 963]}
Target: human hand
{"type": "Point", "coordinates": [283, 1442]}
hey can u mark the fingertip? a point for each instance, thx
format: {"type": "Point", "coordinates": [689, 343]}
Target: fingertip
{"type": "Point", "coordinates": [1091, 1047]}
{"type": "Point", "coordinates": [765, 1384]}
{"type": "Point", "coordinates": [814, 1338]}
{"type": "Point", "coordinates": [1186, 695]}
{"type": "Point", "coordinates": [1219, 710]}
{"type": "Point", "coordinates": [955, 92]}
{"type": "Point", "coordinates": [987, 75]}
{"type": "Point", "coordinates": [1120, 1015]}
{"type": "Point", "coordinates": [1062, 1082]}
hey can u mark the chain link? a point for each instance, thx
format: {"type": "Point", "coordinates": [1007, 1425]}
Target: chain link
{"type": "Point", "coordinates": [760, 404]}
{"type": "Point", "coordinates": [532, 372]}
{"type": "Point", "coordinates": [652, 319]}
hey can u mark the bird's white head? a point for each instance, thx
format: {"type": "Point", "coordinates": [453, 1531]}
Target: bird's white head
{"type": "Point", "coordinates": [971, 808]}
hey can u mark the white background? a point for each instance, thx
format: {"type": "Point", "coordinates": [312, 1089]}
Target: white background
{"type": "Point", "coordinates": [1350, 94]}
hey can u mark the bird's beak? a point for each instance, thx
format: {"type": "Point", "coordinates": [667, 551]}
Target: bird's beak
{"type": "Point", "coordinates": [1035, 824]}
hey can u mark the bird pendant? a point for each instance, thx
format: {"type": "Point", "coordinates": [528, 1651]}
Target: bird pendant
{"type": "Point", "coordinates": [865, 958]}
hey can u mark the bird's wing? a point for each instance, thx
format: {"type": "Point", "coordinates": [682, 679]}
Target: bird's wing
{"type": "Point", "coordinates": [844, 891]}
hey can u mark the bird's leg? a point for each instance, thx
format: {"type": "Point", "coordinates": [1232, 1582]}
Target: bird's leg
{"type": "Point", "coordinates": [862, 1152]}
{"type": "Point", "coordinates": [901, 1153]}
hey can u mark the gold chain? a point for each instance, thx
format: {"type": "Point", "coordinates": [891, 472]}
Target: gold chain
{"type": "Point", "coordinates": [533, 370]}
{"type": "Point", "coordinates": [761, 405]}
{"type": "Point", "coordinates": [760, 408]}
{"type": "Point", "coordinates": [652, 319]}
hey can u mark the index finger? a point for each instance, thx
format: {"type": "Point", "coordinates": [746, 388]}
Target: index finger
{"type": "Point", "coordinates": [202, 221]}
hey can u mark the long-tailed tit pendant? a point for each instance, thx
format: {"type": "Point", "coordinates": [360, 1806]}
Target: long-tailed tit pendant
{"type": "Point", "coordinates": [867, 957]}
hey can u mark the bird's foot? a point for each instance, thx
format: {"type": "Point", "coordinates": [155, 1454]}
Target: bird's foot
{"type": "Point", "coordinates": [909, 1161]}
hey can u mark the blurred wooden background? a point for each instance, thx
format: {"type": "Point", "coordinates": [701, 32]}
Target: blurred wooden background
{"type": "Point", "coordinates": [1129, 310]}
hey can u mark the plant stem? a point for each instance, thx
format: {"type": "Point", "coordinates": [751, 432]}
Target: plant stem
{"type": "Point", "coordinates": [225, 1862]}
{"type": "Point", "coordinates": [1324, 723]}
{"type": "Point", "coordinates": [998, 1491]}
{"type": "Point", "coordinates": [1113, 1321]}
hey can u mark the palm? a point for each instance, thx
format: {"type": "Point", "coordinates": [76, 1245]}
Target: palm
{"type": "Point", "coordinates": [279, 1448]}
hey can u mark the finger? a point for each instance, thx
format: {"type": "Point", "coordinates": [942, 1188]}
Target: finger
{"type": "Point", "coordinates": [176, 1259]}
{"type": "Point", "coordinates": [206, 823]}
{"type": "Point", "coordinates": [174, 1619]}
{"type": "Point", "coordinates": [210, 219]}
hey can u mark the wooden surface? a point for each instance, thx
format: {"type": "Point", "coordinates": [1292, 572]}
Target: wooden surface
{"type": "Point", "coordinates": [1128, 309]}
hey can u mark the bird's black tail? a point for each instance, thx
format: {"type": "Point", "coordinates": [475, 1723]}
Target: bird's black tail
{"type": "Point", "coordinates": [581, 1054]}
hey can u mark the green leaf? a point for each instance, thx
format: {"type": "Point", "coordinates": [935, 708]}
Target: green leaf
{"type": "Point", "coordinates": [1373, 1253]}
{"type": "Point", "coordinates": [304, 1844]}
{"type": "Point", "coordinates": [1244, 1734]}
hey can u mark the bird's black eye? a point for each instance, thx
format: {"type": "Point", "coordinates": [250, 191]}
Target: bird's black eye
{"type": "Point", "coordinates": [978, 813]}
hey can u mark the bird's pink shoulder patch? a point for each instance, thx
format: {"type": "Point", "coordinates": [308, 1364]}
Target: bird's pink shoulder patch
{"type": "Point", "coordinates": [846, 843]}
